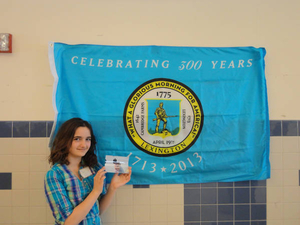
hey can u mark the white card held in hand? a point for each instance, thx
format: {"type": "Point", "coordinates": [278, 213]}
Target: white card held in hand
{"type": "Point", "coordinates": [116, 164]}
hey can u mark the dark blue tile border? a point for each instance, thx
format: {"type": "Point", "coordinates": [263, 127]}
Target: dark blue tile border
{"type": "Point", "coordinates": [38, 129]}
{"type": "Point", "coordinates": [20, 129]}
{"type": "Point", "coordinates": [5, 181]}
{"type": "Point", "coordinates": [5, 129]}
{"type": "Point", "coordinates": [289, 128]}
{"type": "Point", "coordinates": [23, 129]}
{"type": "Point", "coordinates": [275, 128]}
{"type": "Point", "coordinates": [141, 186]}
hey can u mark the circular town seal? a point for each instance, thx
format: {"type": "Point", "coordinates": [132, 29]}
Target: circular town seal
{"type": "Point", "coordinates": [163, 117]}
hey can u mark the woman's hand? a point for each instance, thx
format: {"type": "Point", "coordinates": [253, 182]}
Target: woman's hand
{"type": "Point", "coordinates": [99, 180]}
{"type": "Point", "coordinates": [119, 180]}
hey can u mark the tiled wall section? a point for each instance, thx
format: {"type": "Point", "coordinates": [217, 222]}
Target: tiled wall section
{"type": "Point", "coordinates": [23, 163]}
{"type": "Point", "coordinates": [25, 129]}
{"type": "Point", "coordinates": [283, 190]}
{"type": "Point", "coordinates": [225, 203]}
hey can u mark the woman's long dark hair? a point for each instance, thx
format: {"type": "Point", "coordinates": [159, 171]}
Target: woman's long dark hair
{"type": "Point", "coordinates": [63, 141]}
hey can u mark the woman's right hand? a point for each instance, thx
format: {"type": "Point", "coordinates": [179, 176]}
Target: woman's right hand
{"type": "Point", "coordinates": [99, 180]}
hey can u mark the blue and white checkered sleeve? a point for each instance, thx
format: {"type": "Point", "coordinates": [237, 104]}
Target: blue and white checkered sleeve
{"type": "Point", "coordinates": [57, 197]}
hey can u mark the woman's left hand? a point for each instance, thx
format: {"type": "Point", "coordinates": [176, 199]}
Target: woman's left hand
{"type": "Point", "coordinates": [119, 180]}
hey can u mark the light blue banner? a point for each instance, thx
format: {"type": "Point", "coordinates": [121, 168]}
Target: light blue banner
{"type": "Point", "coordinates": [181, 114]}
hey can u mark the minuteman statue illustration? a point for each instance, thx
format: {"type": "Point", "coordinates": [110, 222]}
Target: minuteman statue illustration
{"type": "Point", "coordinates": [160, 114]}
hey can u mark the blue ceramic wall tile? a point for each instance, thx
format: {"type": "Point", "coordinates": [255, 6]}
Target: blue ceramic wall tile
{"type": "Point", "coordinates": [275, 128]}
{"type": "Point", "coordinates": [209, 185]}
{"type": "Point", "coordinates": [21, 129]}
{"type": "Point", "coordinates": [242, 223]}
{"type": "Point", "coordinates": [209, 223]}
{"type": "Point", "coordinates": [208, 213]}
{"type": "Point", "coordinates": [38, 129]}
{"type": "Point", "coordinates": [258, 195]}
{"type": "Point", "coordinates": [258, 183]}
{"type": "Point", "coordinates": [5, 129]}
{"type": "Point", "coordinates": [225, 223]}
{"type": "Point", "coordinates": [242, 195]}
{"type": "Point", "coordinates": [242, 212]}
{"type": "Point", "coordinates": [258, 212]}
{"type": "Point", "coordinates": [5, 181]}
{"type": "Point", "coordinates": [191, 196]}
{"type": "Point", "coordinates": [225, 195]}
{"type": "Point", "coordinates": [192, 223]}
{"type": "Point", "coordinates": [49, 125]}
{"type": "Point", "coordinates": [191, 185]}
{"type": "Point", "coordinates": [191, 213]}
{"type": "Point", "coordinates": [208, 196]}
{"type": "Point", "coordinates": [140, 186]}
{"type": "Point", "coordinates": [242, 184]}
{"type": "Point", "coordinates": [289, 128]}
{"type": "Point", "coordinates": [225, 212]}
{"type": "Point", "coordinates": [225, 184]}
{"type": "Point", "coordinates": [258, 222]}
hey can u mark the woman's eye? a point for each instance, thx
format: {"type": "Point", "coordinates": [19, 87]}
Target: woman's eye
{"type": "Point", "coordinates": [76, 139]}
{"type": "Point", "coordinates": [89, 139]}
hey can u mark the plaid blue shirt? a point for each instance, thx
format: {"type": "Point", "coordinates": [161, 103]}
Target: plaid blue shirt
{"type": "Point", "coordinates": [64, 191]}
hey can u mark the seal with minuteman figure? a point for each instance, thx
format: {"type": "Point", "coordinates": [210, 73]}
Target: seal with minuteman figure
{"type": "Point", "coordinates": [163, 117]}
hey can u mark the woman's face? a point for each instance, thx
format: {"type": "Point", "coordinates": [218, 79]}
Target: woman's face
{"type": "Point", "coordinates": [81, 143]}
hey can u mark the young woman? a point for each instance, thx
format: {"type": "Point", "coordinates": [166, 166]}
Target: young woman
{"type": "Point", "coordinates": [75, 186]}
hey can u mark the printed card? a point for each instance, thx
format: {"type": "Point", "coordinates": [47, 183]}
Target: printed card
{"type": "Point", "coordinates": [116, 164]}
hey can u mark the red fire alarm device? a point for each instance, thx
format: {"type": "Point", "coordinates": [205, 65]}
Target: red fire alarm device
{"type": "Point", "coordinates": [5, 43]}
